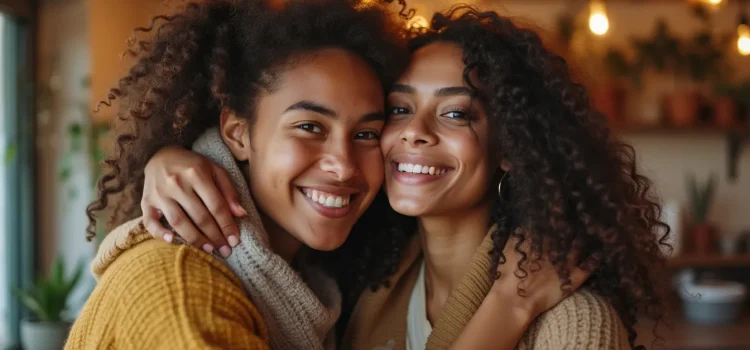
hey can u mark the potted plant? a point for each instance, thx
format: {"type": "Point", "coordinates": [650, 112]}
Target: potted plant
{"type": "Point", "coordinates": [701, 199]}
{"type": "Point", "coordinates": [725, 107]}
{"type": "Point", "coordinates": [610, 95]}
{"type": "Point", "coordinates": [657, 54]}
{"type": "Point", "coordinates": [47, 301]}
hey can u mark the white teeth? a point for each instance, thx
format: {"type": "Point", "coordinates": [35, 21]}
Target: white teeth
{"type": "Point", "coordinates": [420, 169]}
{"type": "Point", "coordinates": [327, 199]}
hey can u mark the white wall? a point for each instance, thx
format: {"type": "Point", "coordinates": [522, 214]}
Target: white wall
{"type": "Point", "coordinates": [63, 62]}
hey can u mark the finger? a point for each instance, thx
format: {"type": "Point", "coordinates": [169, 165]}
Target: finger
{"type": "Point", "coordinates": [228, 191]}
{"type": "Point", "coordinates": [578, 277]}
{"type": "Point", "coordinates": [201, 217]}
{"type": "Point", "coordinates": [182, 225]}
{"type": "Point", "coordinates": [152, 223]}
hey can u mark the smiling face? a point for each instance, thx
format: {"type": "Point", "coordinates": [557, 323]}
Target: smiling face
{"type": "Point", "coordinates": [313, 149]}
{"type": "Point", "coordinates": [435, 143]}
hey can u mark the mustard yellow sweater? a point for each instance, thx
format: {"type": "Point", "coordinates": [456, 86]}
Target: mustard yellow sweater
{"type": "Point", "coordinates": [156, 295]}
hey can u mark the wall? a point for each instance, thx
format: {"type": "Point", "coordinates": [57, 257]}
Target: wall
{"type": "Point", "coordinates": [63, 63]}
{"type": "Point", "coordinates": [110, 24]}
{"type": "Point", "coordinates": [666, 158]}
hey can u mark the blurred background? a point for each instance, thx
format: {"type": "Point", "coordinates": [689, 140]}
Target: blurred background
{"type": "Point", "coordinates": [672, 77]}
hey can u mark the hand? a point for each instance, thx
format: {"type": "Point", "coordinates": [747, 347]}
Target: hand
{"type": "Point", "coordinates": [195, 196]}
{"type": "Point", "coordinates": [540, 288]}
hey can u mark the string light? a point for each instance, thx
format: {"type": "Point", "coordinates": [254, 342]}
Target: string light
{"type": "Point", "coordinates": [743, 39]}
{"type": "Point", "coordinates": [417, 23]}
{"type": "Point", "coordinates": [598, 21]}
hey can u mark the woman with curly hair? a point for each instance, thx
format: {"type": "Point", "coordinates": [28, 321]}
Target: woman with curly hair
{"type": "Point", "coordinates": [289, 103]}
{"type": "Point", "coordinates": [501, 171]}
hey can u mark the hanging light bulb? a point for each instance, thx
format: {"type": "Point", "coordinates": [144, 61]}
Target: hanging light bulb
{"type": "Point", "coordinates": [598, 21]}
{"type": "Point", "coordinates": [743, 36]}
{"type": "Point", "coordinates": [418, 23]}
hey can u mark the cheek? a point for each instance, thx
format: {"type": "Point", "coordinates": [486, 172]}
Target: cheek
{"type": "Point", "coordinates": [371, 165]}
{"type": "Point", "coordinates": [279, 163]}
{"type": "Point", "coordinates": [389, 136]}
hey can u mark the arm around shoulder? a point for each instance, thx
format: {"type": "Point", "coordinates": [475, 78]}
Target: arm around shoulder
{"type": "Point", "coordinates": [162, 296]}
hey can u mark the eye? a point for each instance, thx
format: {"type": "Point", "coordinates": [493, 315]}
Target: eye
{"type": "Point", "coordinates": [367, 135]}
{"type": "Point", "coordinates": [455, 115]}
{"type": "Point", "coordinates": [398, 110]}
{"type": "Point", "coordinates": [310, 127]}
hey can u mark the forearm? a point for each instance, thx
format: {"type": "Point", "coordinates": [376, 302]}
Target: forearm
{"type": "Point", "coordinates": [497, 325]}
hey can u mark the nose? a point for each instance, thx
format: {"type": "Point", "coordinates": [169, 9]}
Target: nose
{"type": "Point", "coordinates": [418, 132]}
{"type": "Point", "coordinates": [339, 162]}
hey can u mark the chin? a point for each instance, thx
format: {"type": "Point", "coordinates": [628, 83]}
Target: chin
{"type": "Point", "coordinates": [326, 241]}
{"type": "Point", "coordinates": [407, 207]}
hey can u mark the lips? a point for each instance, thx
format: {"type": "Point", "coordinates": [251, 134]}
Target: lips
{"type": "Point", "coordinates": [330, 201]}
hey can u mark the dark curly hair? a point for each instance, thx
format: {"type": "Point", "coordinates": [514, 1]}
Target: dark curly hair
{"type": "Point", "coordinates": [223, 53]}
{"type": "Point", "coordinates": [573, 186]}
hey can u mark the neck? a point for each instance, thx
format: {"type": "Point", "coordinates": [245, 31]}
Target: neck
{"type": "Point", "coordinates": [282, 243]}
{"type": "Point", "coordinates": [448, 244]}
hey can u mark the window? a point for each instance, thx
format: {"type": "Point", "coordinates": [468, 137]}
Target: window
{"type": "Point", "coordinates": [16, 174]}
{"type": "Point", "coordinates": [8, 153]}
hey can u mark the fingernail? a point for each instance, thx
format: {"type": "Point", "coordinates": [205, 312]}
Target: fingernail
{"type": "Point", "coordinates": [208, 248]}
{"type": "Point", "coordinates": [233, 241]}
{"type": "Point", "coordinates": [225, 251]}
{"type": "Point", "coordinates": [168, 237]}
{"type": "Point", "coordinates": [239, 209]}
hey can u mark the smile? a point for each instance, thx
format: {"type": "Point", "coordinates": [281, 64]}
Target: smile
{"type": "Point", "coordinates": [329, 204]}
{"type": "Point", "coordinates": [420, 169]}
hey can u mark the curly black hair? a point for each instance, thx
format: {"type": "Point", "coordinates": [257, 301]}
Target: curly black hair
{"type": "Point", "coordinates": [572, 186]}
{"type": "Point", "coordinates": [223, 53]}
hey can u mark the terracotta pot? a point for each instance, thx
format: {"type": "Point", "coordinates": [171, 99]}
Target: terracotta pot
{"type": "Point", "coordinates": [609, 98]}
{"type": "Point", "coordinates": [683, 108]}
{"type": "Point", "coordinates": [725, 111]}
{"type": "Point", "coordinates": [704, 239]}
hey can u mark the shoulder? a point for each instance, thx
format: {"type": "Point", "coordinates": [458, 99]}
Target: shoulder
{"type": "Point", "coordinates": [171, 295]}
{"type": "Point", "coordinates": [583, 320]}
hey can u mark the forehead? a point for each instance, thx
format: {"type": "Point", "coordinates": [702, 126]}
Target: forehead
{"type": "Point", "coordinates": [439, 63]}
{"type": "Point", "coordinates": [331, 76]}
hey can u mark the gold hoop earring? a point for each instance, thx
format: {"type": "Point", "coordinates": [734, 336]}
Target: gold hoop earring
{"type": "Point", "coordinates": [500, 185]}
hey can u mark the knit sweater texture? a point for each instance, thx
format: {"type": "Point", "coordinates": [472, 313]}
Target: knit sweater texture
{"type": "Point", "coordinates": [279, 306]}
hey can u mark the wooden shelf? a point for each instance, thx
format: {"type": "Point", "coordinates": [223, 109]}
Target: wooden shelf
{"type": "Point", "coordinates": [674, 130]}
{"type": "Point", "coordinates": [683, 335]}
{"type": "Point", "coordinates": [736, 260]}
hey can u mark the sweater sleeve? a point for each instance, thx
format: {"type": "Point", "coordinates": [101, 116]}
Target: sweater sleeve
{"type": "Point", "coordinates": [162, 296]}
{"type": "Point", "coordinates": [583, 321]}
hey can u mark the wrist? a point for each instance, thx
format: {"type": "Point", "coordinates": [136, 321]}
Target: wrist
{"type": "Point", "coordinates": [518, 309]}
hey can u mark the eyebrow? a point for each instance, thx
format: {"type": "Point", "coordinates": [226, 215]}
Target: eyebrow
{"type": "Point", "coordinates": [312, 107]}
{"type": "Point", "coordinates": [442, 92]}
{"type": "Point", "coordinates": [328, 112]}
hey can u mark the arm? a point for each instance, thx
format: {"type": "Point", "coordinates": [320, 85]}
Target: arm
{"type": "Point", "coordinates": [160, 296]}
{"type": "Point", "coordinates": [196, 198]}
{"type": "Point", "coordinates": [505, 315]}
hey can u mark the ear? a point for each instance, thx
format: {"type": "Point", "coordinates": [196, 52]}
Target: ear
{"type": "Point", "coordinates": [504, 165]}
{"type": "Point", "coordinates": [236, 135]}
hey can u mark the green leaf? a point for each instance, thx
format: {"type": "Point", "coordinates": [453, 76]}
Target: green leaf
{"type": "Point", "coordinates": [32, 304]}
{"type": "Point", "coordinates": [58, 273]}
{"type": "Point", "coordinates": [10, 152]}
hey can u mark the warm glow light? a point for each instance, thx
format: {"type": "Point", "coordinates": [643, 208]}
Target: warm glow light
{"type": "Point", "coordinates": [417, 22]}
{"type": "Point", "coordinates": [598, 21]}
{"type": "Point", "coordinates": [714, 2]}
{"type": "Point", "coordinates": [743, 39]}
